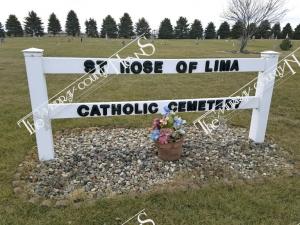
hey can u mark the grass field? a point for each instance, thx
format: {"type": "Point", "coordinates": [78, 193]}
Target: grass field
{"type": "Point", "coordinates": [271, 201]}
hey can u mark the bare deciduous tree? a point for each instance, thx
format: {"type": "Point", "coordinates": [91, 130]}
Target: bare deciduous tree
{"type": "Point", "coordinates": [253, 12]}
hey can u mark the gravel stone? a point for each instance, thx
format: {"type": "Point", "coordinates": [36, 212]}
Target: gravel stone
{"type": "Point", "coordinates": [100, 162]}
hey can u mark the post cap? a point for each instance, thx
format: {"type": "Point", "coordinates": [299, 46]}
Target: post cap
{"type": "Point", "coordinates": [270, 53]}
{"type": "Point", "coordinates": [33, 51]}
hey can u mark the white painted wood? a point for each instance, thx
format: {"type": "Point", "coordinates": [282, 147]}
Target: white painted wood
{"type": "Point", "coordinates": [69, 110]}
{"type": "Point", "coordinates": [37, 66]}
{"type": "Point", "coordinates": [54, 65]}
{"type": "Point", "coordinates": [39, 101]}
{"type": "Point", "coordinates": [264, 90]}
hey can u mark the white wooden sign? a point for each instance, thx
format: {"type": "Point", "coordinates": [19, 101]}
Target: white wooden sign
{"type": "Point", "coordinates": [38, 66]}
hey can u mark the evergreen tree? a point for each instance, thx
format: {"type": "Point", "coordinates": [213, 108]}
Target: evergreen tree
{"type": "Point", "coordinates": [276, 30]}
{"type": "Point", "coordinates": [287, 31]}
{"type": "Point", "coordinates": [125, 26]}
{"type": "Point", "coordinates": [196, 31]}
{"type": "Point", "coordinates": [72, 24]}
{"type": "Point", "coordinates": [210, 31]}
{"type": "Point", "coordinates": [165, 29]}
{"type": "Point", "coordinates": [142, 27]}
{"type": "Point", "coordinates": [2, 32]}
{"type": "Point", "coordinates": [181, 30]}
{"type": "Point", "coordinates": [297, 33]}
{"type": "Point", "coordinates": [264, 30]}
{"type": "Point", "coordinates": [224, 30]}
{"type": "Point", "coordinates": [237, 30]}
{"type": "Point", "coordinates": [109, 27]}
{"type": "Point", "coordinates": [54, 26]}
{"type": "Point", "coordinates": [33, 25]}
{"type": "Point", "coordinates": [252, 30]}
{"type": "Point", "coordinates": [91, 29]}
{"type": "Point", "coordinates": [13, 27]}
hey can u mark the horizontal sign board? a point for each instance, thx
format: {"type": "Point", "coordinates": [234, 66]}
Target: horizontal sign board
{"type": "Point", "coordinates": [54, 65]}
{"type": "Point", "coordinates": [103, 109]}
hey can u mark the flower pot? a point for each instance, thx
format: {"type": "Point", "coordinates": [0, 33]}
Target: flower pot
{"type": "Point", "coordinates": [171, 151]}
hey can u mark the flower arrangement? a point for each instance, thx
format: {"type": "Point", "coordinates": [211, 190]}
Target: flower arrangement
{"type": "Point", "coordinates": [167, 129]}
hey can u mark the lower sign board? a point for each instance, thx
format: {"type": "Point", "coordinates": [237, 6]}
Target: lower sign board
{"type": "Point", "coordinates": [103, 109]}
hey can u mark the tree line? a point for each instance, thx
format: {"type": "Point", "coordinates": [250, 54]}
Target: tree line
{"type": "Point", "coordinates": [33, 26]}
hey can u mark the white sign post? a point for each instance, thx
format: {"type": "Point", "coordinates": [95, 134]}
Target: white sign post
{"type": "Point", "coordinates": [43, 111]}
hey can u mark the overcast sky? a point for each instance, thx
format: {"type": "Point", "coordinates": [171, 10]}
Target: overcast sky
{"type": "Point", "coordinates": [154, 11]}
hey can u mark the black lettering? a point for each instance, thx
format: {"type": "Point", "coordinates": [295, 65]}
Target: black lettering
{"type": "Point", "coordinates": [219, 104]}
{"type": "Point", "coordinates": [116, 109]}
{"type": "Point", "coordinates": [210, 104]}
{"type": "Point", "coordinates": [225, 65]}
{"type": "Point", "coordinates": [192, 66]}
{"type": "Point", "coordinates": [125, 68]}
{"type": "Point", "coordinates": [173, 106]}
{"type": "Point", "coordinates": [201, 105]}
{"type": "Point", "coordinates": [145, 108]}
{"type": "Point", "coordinates": [181, 106]}
{"type": "Point", "coordinates": [158, 66]}
{"type": "Point", "coordinates": [128, 109]}
{"type": "Point", "coordinates": [136, 109]}
{"type": "Point", "coordinates": [207, 68]}
{"type": "Point", "coordinates": [95, 110]}
{"type": "Point", "coordinates": [104, 109]}
{"type": "Point", "coordinates": [229, 104]}
{"type": "Point", "coordinates": [237, 103]}
{"type": "Point", "coordinates": [83, 110]}
{"type": "Point", "coordinates": [147, 67]}
{"type": "Point", "coordinates": [181, 67]}
{"type": "Point", "coordinates": [191, 106]}
{"type": "Point", "coordinates": [235, 66]}
{"type": "Point", "coordinates": [216, 65]}
{"type": "Point", "coordinates": [153, 108]}
{"type": "Point", "coordinates": [89, 66]}
{"type": "Point", "coordinates": [136, 67]}
{"type": "Point", "coordinates": [101, 65]}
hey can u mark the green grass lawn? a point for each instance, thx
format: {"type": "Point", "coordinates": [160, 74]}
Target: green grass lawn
{"type": "Point", "coordinates": [271, 201]}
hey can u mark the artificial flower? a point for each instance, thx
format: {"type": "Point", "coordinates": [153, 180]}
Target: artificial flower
{"type": "Point", "coordinates": [155, 135]}
{"type": "Point", "coordinates": [167, 129]}
{"type": "Point", "coordinates": [166, 111]}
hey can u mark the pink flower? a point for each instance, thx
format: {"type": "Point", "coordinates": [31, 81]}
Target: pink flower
{"type": "Point", "coordinates": [156, 123]}
{"type": "Point", "coordinates": [164, 136]}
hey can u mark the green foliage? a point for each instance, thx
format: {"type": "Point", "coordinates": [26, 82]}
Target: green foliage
{"type": "Point", "coordinates": [196, 30]}
{"type": "Point", "coordinates": [165, 29]}
{"type": "Point", "coordinates": [33, 25]}
{"type": "Point", "coordinates": [297, 33]}
{"type": "Point", "coordinates": [266, 201]}
{"type": "Point", "coordinates": [181, 30]}
{"type": "Point", "coordinates": [287, 31]}
{"type": "Point", "coordinates": [2, 32]}
{"type": "Point", "coordinates": [109, 27]}
{"type": "Point", "coordinates": [224, 30]}
{"type": "Point", "coordinates": [91, 29]}
{"type": "Point", "coordinates": [125, 26]}
{"type": "Point", "coordinates": [13, 27]}
{"type": "Point", "coordinates": [54, 26]}
{"type": "Point", "coordinates": [252, 30]}
{"type": "Point", "coordinates": [142, 27]}
{"type": "Point", "coordinates": [286, 44]}
{"type": "Point", "coordinates": [210, 31]}
{"type": "Point", "coordinates": [237, 30]}
{"type": "Point", "coordinates": [264, 30]}
{"type": "Point", "coordinates": [72, 24]}
{"type": "Point", "coordinates": [276, 30]}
